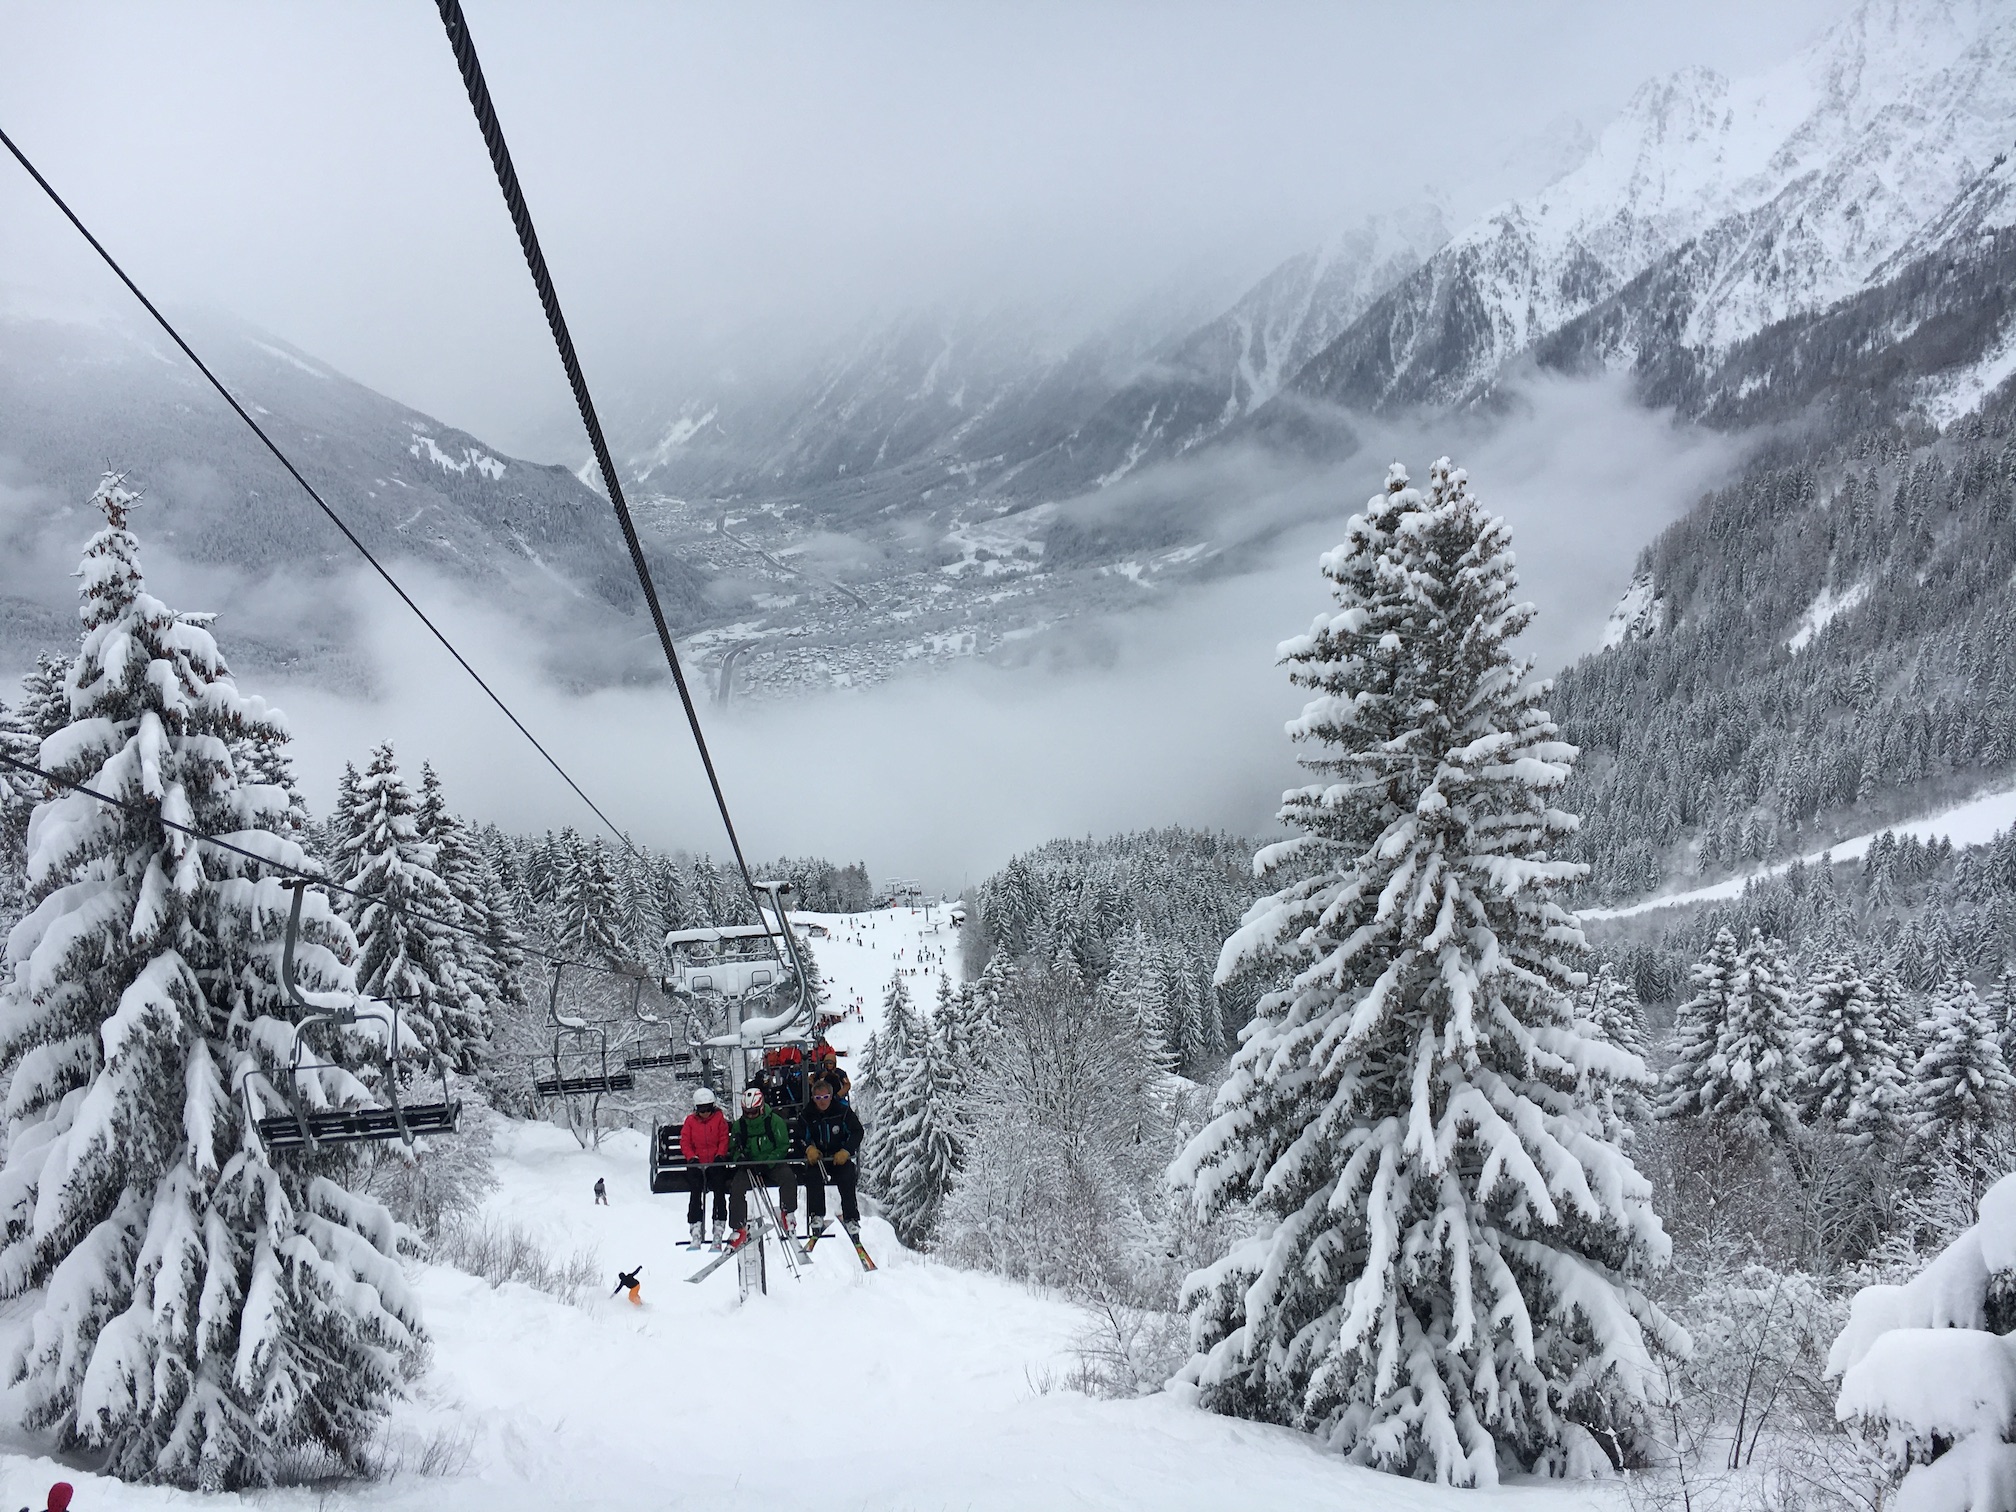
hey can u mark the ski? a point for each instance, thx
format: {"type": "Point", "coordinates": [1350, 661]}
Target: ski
{"type": "Point", "coordinates": [867, 1263]}
{"type": "Point", "coordinates": [717, 1262]}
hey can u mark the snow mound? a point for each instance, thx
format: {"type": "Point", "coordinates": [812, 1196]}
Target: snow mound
{"type": "Point", "coordinates": [1917, 1363]}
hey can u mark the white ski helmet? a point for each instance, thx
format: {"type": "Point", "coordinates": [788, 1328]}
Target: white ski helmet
{"type": "Point", "coordinates": [703, 1099]}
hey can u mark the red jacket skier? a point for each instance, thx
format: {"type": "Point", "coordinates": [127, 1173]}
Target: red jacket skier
{"type": "Point", "coordinates": [703, 1139]}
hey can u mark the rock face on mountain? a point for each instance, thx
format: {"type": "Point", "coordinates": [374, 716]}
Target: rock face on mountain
{"type": "Point", "coordinates": [1709, 212]}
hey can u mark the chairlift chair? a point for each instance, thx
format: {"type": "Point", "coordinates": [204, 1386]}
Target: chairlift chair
{"type": "Point", "coordinates": [584, 1043]}
{"type": "Point", "coordinates": [305, 1128]}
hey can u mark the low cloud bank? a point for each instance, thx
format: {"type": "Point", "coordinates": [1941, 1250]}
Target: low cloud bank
{"type": "Point", "coordinates": [1176, 719]}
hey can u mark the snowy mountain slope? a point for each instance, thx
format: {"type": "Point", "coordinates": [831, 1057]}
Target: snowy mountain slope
{"type": "Point", "coordinates": [1785, 192]}
{"type": "Point", "coordinates": [931, 398]}
{"type": "Point", "coordinates": [79, 395]}
{"type": "Point", "coordinates": [1230, 366]}
{"type": "Point", "coordinates": [1972, 823]}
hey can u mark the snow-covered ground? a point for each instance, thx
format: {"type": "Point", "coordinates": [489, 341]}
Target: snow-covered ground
{"type": "Point", "coordinates": [1976, 822]}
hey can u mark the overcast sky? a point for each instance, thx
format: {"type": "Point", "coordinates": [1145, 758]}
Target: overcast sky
{"type": "Point", "coordinates": [699, 171]}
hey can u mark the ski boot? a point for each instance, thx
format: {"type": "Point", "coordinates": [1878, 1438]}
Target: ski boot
{"type": "Point", "coordinates": [784, 1220]}
{"type": "Point", "coordinates": [696, 1235]}
{"type": "Point", "coordinates": [816, 1225]}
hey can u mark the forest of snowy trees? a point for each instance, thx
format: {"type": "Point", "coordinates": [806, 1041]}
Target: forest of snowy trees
{"type": "Point", "coordinates": [1735, 732]}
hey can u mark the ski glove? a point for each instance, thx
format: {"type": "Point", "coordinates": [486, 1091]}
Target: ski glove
{"type": "Point", "coordinates": [839, 1157]}
{"type": "Point", "coordinates": [811, 1154]}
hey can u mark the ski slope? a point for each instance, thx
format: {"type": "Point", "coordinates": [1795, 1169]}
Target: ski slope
{"type": "Point", "coordinates": [1975, 822]}
{"type": "Point", "coordinates": [863, 951]}
{"type": "Point", "coordinates": [918, 1387]}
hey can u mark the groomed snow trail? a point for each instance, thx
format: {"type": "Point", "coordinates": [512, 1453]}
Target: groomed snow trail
{"type": "Point", "coordinates": [1976, 822]}
{"type": "Point", "coordinates": [919, 1387]}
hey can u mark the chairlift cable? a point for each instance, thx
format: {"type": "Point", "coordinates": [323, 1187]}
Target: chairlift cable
{"type": "Point", "coordinates": [294, 871]}
{"type": "Point", "coordinates": [321, 503]}
{"type": "Point", "coordinates": [464, 46]}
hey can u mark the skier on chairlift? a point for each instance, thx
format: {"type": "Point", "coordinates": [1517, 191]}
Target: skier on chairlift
{"type": "Point", "coordinates": [759, 1142]}
{"type": "Point", "coordinates": [832, 1140]}
{"type": "Point", "coordinates": [703, 1139]}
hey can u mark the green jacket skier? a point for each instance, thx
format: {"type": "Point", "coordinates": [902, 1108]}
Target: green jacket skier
{"type": "Point", "coordinates": [759, 1146]}
{"type": "Point", "coordinates": [760, 1134]}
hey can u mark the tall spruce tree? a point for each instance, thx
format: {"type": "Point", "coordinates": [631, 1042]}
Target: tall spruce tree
{"type": "Point", "coordinates": [198, 1311]}
{"type": "Point", "coordinates": [1849, 1066]}
{"type": "Point", "coordinates": [1610, 1005]}
{"type": "Point", "coordinates": [1758, 1071]}
{"type": "Point", "coordinates": [885, 1065]}
{"type": "Point", "coordinates": [921, 1149]}
{"type": "Point", "coordinates": [475, 974]}
{"type": "Point", "coordinates": [1447, 1275]}
{"type": "Point", "coordinates": [588, 908]}
{"type": "Point", "coordinates": [1961, 1087]}
{"type": "Point", "coordinates": [1696, 1078]}
{"type": "Point", "coordinates": [403, 953]}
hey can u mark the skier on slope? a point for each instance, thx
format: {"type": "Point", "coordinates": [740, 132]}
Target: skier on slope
{"type": "Point", "coordinates": [759, 1143]}
{"type": "Point", "coordinates": [832, 1140]}
{"type": "Point", "coordinates": [703, 1139]}
{"type": "Point", "coordinates": [627, 1281]}
{"type": "Point", "coordinates": [59, 1498]}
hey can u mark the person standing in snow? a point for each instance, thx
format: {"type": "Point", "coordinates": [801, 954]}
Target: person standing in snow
{"type": "Point", "coordinates": [601, 1192]}
{"type": "Point", "coordinates": [759, 1143]}
{"type": "Point", "coordinates": [832, 1140]}
{"type": "Point", "coordinates": [703, 1139]}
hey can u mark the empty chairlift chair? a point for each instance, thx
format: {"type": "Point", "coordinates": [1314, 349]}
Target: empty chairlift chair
{"type": "Point", "coordinates": [305, 1127]}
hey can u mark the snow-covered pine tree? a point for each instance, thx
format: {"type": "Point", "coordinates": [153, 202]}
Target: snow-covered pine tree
{"type": "Point", "coordinates": [1849, 1068]}
{"type": "Point", "coordinates": [2001, 1003]}
{"type": "Point", "coordinates": [1960, 1088]}
{"type": "Point", "coordinates": [1447, 1273]}
{"type": "Point", "coordinates": [1137, 984]}
{"type": "Point", "coordinates": [952, 1018]}
{"type": "Point", "coordinates": [401, 951]}
{"type": "Point", "coordinates": [920, 1145]}
{"type": "Point", "coordinates": [1758, 1069]}
{"type": "Point", "coordinates": [1696, 1080]}
{"type": "Point", "coordinates": [45, 695]}
{"type": "Point", "coordinates": [336, 832]}
{"type": "Point", "coordinates": [1896, 1013]}
{"type": "Point", "coordinates": [475, 974]}
{"type": "Point", "coordinates": [1610, 1005]}
{"type": "Point", "coordinates": [197, 1312]}
{"type": "Point", "coordinates": [1924, 1370]}
{"type": "Point", "coordinates": [885, 1064]}
{"type": "Point", "coordinates": [587, 912]}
